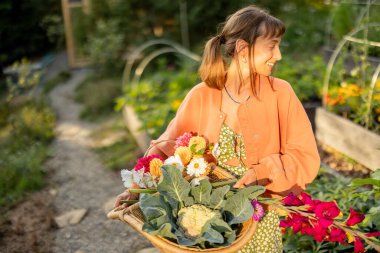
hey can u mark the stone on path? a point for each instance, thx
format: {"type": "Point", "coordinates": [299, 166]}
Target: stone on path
{"type": "Point", "coordinates": [108, 206]}
{"type": "Point", "coordinates": [70, 218]}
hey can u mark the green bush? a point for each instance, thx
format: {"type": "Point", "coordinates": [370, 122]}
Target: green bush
{"type": "Point", "coordinates": [25, 135]}
{"type": "Point", "coordinates": [304, 74]}
{"type": "Point", "coordinates": [35, 121]}
{"type": "Point", "coordinates": [157, 97]}
{"type": "Point", "coordinates": [21, 171]}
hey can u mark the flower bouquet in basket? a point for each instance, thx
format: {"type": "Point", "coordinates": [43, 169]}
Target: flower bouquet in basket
{"type": "Point", "coordinates": [187, 204]}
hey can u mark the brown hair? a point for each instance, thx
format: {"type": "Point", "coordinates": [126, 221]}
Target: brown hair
{"type": "Point", "coordinates": [248, 24]}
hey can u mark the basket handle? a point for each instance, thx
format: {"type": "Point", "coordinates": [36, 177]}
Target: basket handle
{"type": "Point", "coordinates": [154, 144]}
{"type": "Point", "coordinates": [114, 214]}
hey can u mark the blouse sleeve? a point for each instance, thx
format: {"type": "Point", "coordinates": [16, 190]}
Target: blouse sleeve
{"type": "Point", "coordinates": [298, 162]}
{"type": "Point", "coordinates": [184, 121]}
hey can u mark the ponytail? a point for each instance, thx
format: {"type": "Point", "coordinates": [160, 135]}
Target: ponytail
{"type": "Point", "coordinates": [213, 68]}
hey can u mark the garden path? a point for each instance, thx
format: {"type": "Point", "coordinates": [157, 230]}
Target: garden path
{"type": "Point", "coordinates": [80, 181]}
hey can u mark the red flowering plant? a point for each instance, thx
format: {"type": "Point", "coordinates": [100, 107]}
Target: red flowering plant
{"type": "Point", "coordinates": [323, 220]}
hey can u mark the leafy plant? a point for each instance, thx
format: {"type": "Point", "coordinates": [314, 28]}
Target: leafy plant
{"type": "Point", "coordinates": [304, 74]}
{"type": "Point", "coordinates": [24, 79]}
{"type": "Point", "coordinates": [157, 97]}
{"type": "Point", "coordinates": [24, 146]}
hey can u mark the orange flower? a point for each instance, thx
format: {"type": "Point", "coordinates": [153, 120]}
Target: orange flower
{"type": "Point", "coordinates": [185, 154]}
{"type": "Point", "coordinates": [155, 167]}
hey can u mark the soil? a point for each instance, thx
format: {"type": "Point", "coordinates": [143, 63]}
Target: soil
{"type": "Point", "coordinates": [28, 224]}
{"type": "Point", "coordinates": [77, 179]}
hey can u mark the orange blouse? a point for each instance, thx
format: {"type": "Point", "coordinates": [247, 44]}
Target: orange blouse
{"type": "Point", "coordinates": [277, 133]}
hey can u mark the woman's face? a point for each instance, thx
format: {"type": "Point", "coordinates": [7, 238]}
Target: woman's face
{"type": "Point", "coordinates": [265, 55]}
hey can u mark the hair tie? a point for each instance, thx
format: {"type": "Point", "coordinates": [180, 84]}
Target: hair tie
{"type": "Point", "coordinates": [221, 39]}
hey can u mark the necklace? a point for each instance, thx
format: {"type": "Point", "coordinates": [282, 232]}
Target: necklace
{"type": "Point", "coordinates": [237, 102]}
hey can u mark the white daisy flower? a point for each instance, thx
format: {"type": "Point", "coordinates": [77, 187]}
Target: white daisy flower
{"type": "Point", "coordinates": [197, 167]}
{"type": "Point", "coordinates": [127, 177]}
{"type": "Point", "coordinates": [132, 176]}
{"type": "Point", "coordinates": [216, 151]}
{"type": "Point", "coordinates": [176, 161]}
{"type": "Point", "coordinates": [149, 180]}
{"type": "Point", "coordinates": [197, 180]}
{"type": "Point", "coordinates": [138, 177]}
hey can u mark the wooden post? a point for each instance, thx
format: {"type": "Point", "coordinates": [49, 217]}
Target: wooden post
{"type": "Point", "coordinates": [73, 60]}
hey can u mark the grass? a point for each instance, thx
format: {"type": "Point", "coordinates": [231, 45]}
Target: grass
{"type": "Point", "coordinates": [97, 94]}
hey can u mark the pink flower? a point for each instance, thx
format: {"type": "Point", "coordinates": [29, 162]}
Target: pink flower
{"type": "Point", "coordinates": [183, 140]}
{"type": "Point", "coordinates": [337, 235]}
{"type": "Point", "coordinates": [354, 218]}
{"type": "Point", "coordinates": [291, 200]}
{"type": "Point", "coordinates": [143, 162]}
{"type": "Point", "coordinates": [326, 212]}
{"type": "Point", "coordinates": [358, 246]}
{"type": "Point", "coordinates": [259, 210]}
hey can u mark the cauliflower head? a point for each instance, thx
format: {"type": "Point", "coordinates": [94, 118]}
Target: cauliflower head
{"type": "Point", "coordinates": [192, 219]}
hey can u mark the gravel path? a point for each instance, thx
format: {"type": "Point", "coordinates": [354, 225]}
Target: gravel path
{"type": "Point", "coordinates": [81, 182]}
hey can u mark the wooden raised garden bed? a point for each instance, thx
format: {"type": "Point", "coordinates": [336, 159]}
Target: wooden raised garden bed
{"type": "Point", "coordinates": [353, 140]}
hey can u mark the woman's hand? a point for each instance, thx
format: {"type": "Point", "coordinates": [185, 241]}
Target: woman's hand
{"type": "Point", "coordinates": [248, 179]}
{"type": "Point", "coordinates": [126, 195]}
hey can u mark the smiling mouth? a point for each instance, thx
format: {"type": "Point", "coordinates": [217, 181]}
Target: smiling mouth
{"type": "Point", "coordinates": [270, 64]}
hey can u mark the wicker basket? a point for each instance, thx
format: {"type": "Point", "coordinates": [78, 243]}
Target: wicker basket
{"type": "Point", "coordinates": [134, 217]}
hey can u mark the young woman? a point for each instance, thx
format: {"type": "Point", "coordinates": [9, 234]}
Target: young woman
{"type": "Point", "coordinates": [263, 132]}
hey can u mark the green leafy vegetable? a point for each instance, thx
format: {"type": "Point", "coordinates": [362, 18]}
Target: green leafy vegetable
{"type": "Point", "coordinates": [201, 216]}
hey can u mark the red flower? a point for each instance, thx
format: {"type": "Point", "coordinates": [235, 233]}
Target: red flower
{"type": "Point", "coordinates": [319, 232]}
{"type": "Point", "coordinates": [373, 234]}
{"type": "Point", "coordinates": [307, 200]}
{"type": "Point", "coordinates": [358, 246]}
{"type": "Point", "coordinates": [354, 218]}
{"type": "Point", "coordinates": [291, 200]}
{"type": "Point", "coordinates": [327, 210]}
{"type": "Point", "coordinates": [296, 221]}
{"type": "Point", "coordinates": [285, 223]}
{"type": "Point", "coordinates": [143, 162]}
{"type": "Point", "coordinates": [337, 235]}
{"type": "Point", "coordinates": [307, 229]}
{"type": "Point", "coordinates": [313, 228]}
